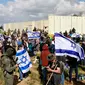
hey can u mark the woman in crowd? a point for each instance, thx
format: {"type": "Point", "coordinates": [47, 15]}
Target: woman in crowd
{"type": "Point", "coordinates": [53, 71]}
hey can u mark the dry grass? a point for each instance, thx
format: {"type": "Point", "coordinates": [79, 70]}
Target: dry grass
{"type": "Point", "coordinates": [1, 77]}
{"type": "Point", "coordinates": [34, 77]}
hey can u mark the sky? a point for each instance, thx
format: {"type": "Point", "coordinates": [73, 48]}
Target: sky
{"type": "Point", "coordinates": [30, 10]}
{"type": "Point", "coordinates": [5, 1]}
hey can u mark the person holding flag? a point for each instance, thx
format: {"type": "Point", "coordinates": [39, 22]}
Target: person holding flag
{"type": "Point", "coordinates": [23, 61]}
{"type": "Point", "coordinates": [65, 46]}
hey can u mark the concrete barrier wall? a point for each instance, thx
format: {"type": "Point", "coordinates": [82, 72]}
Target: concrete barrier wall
{"type": "Point", "coordinates": [54, 23]}
{"type": "Point", "coordinates": [23, 25]}
{"type": "Point", "coordinates": [62, 23]}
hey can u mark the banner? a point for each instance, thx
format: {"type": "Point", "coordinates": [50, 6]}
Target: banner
{"type": "Point", "coordinates": [65, 46]}
{"type": "Point", "coordinates": [33, 35]}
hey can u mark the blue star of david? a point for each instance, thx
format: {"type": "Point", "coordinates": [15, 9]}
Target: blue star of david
{"type": "Point", "coordinates": [73, 45]}
{"type": "Point", "coordinates": [23, 59]}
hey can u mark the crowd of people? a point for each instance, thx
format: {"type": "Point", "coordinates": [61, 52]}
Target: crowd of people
{"type": "Point", "coordinates": [51, 67]}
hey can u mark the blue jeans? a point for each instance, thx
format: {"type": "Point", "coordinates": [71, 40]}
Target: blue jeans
{"type": "Point", "coordinates": [76, 72]}
{"type": "Point", "coordinates": [20, 74]}
{"type": "Point", "coordinates": [44, 74]}
{"type": "Point", "coordinates": [62, 78]}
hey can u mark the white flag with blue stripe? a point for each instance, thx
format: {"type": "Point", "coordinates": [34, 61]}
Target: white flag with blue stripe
{"type": "Point", "coordinates": [1, 37]}
{"type": "Point", "coordinates": [65, 46]}
{"type": "Point", "coordinates": [23, 60]}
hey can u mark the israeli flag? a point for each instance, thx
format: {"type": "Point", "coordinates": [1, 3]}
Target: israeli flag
{"type": "Point", "coordinates": [33, 35]}
{"type": "Point", "coordinates": [1, 37]}
{"type": "Point", "coordinates": [23, 60]}
{"type": "Point", "coordinates": [65, 46]}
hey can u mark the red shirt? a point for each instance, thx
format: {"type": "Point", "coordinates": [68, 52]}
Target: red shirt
{"type": "Point", "coordinates": [45, 52]}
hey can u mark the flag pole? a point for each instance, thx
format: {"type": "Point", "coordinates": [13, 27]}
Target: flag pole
{"type": "Point", "coordinates": [50, 76]}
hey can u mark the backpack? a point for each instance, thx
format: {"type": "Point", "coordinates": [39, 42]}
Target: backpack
{"type": "Point", "coordinates": [61, 66]}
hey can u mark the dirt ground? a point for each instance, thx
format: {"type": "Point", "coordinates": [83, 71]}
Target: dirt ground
{"type": "Point", "coordinates": [34, 78]}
